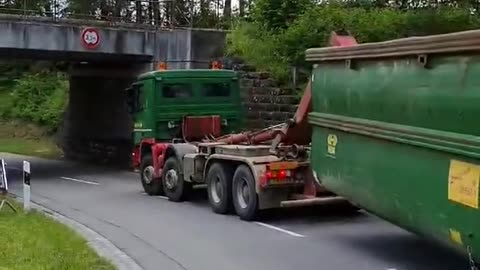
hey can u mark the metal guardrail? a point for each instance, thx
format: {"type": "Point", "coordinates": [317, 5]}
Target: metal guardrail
{"type": "Point", "coordinates": [154, 13]}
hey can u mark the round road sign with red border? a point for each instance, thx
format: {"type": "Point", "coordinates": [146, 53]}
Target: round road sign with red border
{"type": "Point", "coordinates": [90, 38]}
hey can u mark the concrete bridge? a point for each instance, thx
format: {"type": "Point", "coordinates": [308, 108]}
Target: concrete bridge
{"type": "Point", "coordinates": [78, 40]}
{"type": "Point", "coordinates": [104, 59]}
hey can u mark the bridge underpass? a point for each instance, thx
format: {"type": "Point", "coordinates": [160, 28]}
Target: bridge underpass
{"type": "Point", "coordinates": [96, 125]}
{"type": "Point", "coordinates": [103, 61]}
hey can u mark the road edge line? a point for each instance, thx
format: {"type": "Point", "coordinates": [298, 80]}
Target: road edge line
{"type": "Point", "coordinates": [278, 229]}
{"type": "Point", "coordinates": [101, 245]}
{"type": "Point", "coordinates": [79, 180]}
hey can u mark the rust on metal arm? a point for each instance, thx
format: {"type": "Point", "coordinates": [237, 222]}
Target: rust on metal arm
{"type": "Point", "coordinates": [297, 130]}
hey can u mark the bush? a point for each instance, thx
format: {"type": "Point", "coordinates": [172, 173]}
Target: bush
{"type": "Point", "coordinates": [275, 51]}
{"type": "Point", "coordinates": [39, 98]}
{"type": "Point", "coordinates": [257, 47]}
{"type": "Point", "coordinates": [314, 27]}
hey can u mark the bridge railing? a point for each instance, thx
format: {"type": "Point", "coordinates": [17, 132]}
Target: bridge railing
{"type": "Point", "coordinates": [137, 13]}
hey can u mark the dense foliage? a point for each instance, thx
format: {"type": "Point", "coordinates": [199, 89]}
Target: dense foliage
{"type": "Point", "coordinates": [36, 97]}
{"type": "Point", "coordinates": [275, 15]}
{"type": "Point", "coordinates": [272, 44]}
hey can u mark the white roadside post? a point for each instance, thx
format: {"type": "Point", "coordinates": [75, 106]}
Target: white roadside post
{"type": "Point", "coordinates": [26, 186]}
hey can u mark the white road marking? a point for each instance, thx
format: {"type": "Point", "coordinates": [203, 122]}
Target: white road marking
{"type": "Point", "coordinates": [80, 181]}
{"type": "Point", "coordinates": [279, 229]}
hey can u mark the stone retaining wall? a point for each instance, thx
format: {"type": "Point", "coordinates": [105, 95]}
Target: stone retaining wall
{"type": "Point", "coordinates": [265, 103]}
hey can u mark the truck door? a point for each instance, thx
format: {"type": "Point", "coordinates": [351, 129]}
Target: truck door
{"type": "Point", "coordinates": [140, 100]}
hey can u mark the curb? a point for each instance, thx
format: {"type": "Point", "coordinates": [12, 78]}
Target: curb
{"type": "Point", "coordinates": [102, 246]}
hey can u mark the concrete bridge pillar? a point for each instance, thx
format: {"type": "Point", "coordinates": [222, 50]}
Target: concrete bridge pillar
{"type": "Point", "coordinates": [97, 126]}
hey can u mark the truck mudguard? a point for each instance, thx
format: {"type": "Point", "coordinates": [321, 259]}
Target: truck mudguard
{"type": "Point", "coordinates": [179, 150]}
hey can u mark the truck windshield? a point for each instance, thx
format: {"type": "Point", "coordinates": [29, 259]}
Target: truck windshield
{"type": "Point", "coordinates": [216, 89]}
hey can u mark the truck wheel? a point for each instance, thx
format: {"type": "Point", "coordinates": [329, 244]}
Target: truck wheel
{"type": "Point", "coordinates": [174, 186]}
{"type": "Point", "coordinates": [245, 199]}
{"type": "Point", "coordinates": [152, 186]}
{"type": "Point", "coordinates": [219, 188]}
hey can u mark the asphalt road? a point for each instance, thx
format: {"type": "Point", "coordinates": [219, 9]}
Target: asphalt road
{"type": "Point", "coordinates": [162, 235]}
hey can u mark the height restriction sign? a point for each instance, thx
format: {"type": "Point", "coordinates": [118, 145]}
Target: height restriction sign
{"type": "Point", "coordinates": [90, 38]}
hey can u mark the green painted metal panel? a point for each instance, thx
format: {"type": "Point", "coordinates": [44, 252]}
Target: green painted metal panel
{"type": "Point", "coordinates": [389, 133]}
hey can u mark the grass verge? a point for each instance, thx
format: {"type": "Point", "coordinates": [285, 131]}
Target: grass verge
{"type": "Point", "coordinates": [44, 147]}
{"type": "Point", "coordinates": [27, 139]}
{"type": "Point", "coordinates": [35, 241]}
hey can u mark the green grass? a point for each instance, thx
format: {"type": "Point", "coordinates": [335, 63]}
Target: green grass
{"type": "Point", "coordinates": [28, 139]}
{"type": "Point", "coordinates": [43, 147]}
{"type": "Point", "coordinates": [34, 241]}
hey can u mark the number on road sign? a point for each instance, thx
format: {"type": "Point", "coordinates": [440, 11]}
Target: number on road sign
{"type": "Point", "coordinates": [90, 38]}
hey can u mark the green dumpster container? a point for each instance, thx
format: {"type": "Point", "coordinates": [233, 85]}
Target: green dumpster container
{"type": "Point", "coordinates": [396, 129]}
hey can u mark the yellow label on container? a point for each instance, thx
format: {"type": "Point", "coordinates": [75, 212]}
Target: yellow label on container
{"type": "Point", "coordinates": [456, 237]}
{"type": "Point", "coordinates": [332, 141]}
{"type": "Point", "coordinates": [463, 183]}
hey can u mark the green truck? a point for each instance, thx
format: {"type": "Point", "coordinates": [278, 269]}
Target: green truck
{"type": "Point", "coordinates": [184, 135]}
{"type": "Point", "coordinates": [395, 130]}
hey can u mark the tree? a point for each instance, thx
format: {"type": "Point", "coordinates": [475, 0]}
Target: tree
{"type": "Point", "coordinates": [227, 10]}
{"type": "Point", "coordinates": [138, 11]}
{"type": "Point", "coordinates": [241, 7]}
{"type": "Point", "coordinates": [278, 14]}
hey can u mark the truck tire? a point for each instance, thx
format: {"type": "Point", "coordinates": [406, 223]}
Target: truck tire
{"type": "Point", "coordinates": [219, 188]}
{"type": "Point", "coordinates": [174, 186]}
{"type": "Point", "coordinates": [245, 199]}
{"type": "Point", "coordinates": [151, 186]}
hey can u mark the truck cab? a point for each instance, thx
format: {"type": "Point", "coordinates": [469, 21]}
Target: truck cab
{"type": "Point", "coordinates": [161, 101]}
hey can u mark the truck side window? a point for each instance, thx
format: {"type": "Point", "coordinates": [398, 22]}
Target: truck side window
{"type": "Point", "coordinates": [177, 90]}
{"type": "Point", "coordinates": [216, 89]}
{"type": "Point", "coordinates": [134, 98]}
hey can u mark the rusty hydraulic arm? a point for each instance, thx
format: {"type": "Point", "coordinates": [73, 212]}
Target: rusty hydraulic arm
{"type": "Point", "coordinates": [296, 131]}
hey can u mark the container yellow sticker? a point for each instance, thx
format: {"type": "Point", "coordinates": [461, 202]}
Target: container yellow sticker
{"type": "Point", "coordinates": [456, 237]}
{"type": "Point", "coordinates": [332, 141]}
{"type": "Point", "coordinates": [463, 183]}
